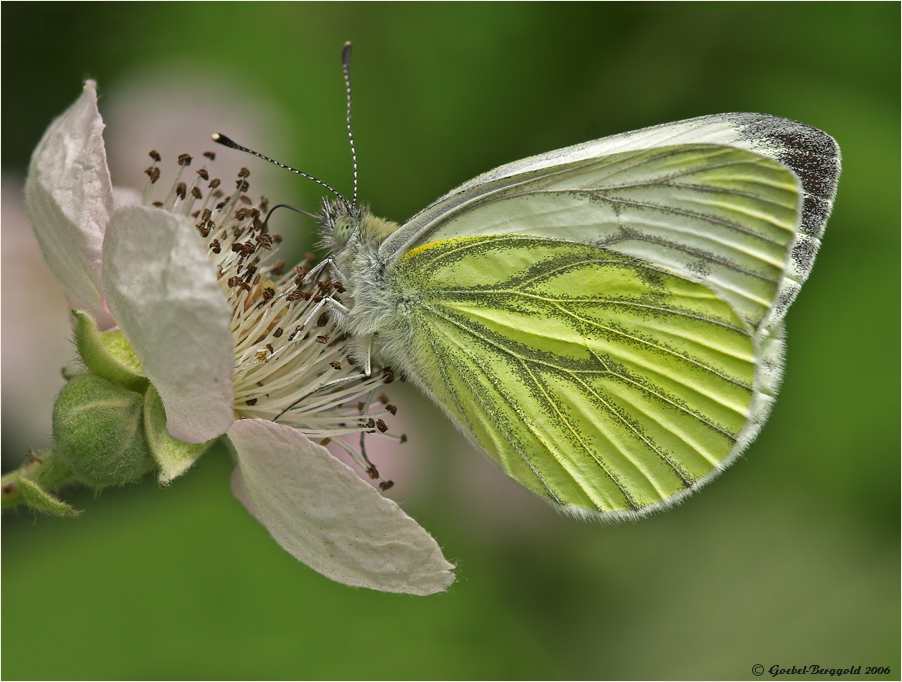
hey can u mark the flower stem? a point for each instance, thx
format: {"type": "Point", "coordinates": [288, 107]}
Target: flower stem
{"type": "Point", "coordinates": [32, 484]}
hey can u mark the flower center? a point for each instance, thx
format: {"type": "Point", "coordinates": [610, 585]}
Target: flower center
{"type": "Point", "coordinates": [291, 363]}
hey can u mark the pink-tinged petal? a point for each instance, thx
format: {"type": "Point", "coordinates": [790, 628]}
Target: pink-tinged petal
{"type": "Point", "coordinates": [69, 199]}
{"type": "Point", "coordinates": [36, 337]}
{"type": "Point", "coordinates": [162, 291]}
{"type": "Point", "coordinates": [325, 516]}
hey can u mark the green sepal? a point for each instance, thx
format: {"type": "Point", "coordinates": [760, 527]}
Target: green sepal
{"type": "Point", "coordinates": [40, 500]}
{"type": "Point", "coordinates": [108, 354]}
{"type": "Point", "coordinates": [173, 457]}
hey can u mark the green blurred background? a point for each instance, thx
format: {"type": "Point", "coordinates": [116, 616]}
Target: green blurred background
{"type": "Point", "coordinates": [791, 558]}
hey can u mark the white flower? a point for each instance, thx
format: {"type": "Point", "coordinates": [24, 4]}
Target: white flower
{"type": "Point", "coordinates": [228, 342]}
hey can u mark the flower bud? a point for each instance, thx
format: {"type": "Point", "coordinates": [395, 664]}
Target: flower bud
{"type": "Point", "coordinates": [98, 431]}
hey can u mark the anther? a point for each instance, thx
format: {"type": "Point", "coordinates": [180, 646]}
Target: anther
{"type": "Point", "coordinates": [391, 409]}
{"type": "Point", "coordinates": [381, 426]}
{"type": "Point", "coordinates": [324, 339]}
{"type": "Point", "coordinates": [386, 485]}
{"type": "Point", "coordinates": [154, 154]}
{"type": "Point", "coordinates": [181, 190]}
{"type": "Point", "coordinates": [278, 332]}
{"type": "Point", "coordinates": [184, 159]}
{"type": "Point", "coordinates": [335, 365]}
{"type": "Point", "coordinates": [251, 402]}
{"type": "Point", "coordinates": [210, 155]}
{"type": "Point", "coordinates": [202, 172]}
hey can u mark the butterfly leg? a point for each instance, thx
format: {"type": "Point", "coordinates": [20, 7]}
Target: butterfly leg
{"type": "Point", "coordinates": [317, 270]}
{"type": "Point", "coordinates": [368, 363]}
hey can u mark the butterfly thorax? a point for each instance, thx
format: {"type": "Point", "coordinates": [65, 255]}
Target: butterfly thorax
{"type": "Point", "coordinates": [353, 236]}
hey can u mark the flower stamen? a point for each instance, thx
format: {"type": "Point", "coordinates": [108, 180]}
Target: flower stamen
{"type": "Point", "coordinates": [291, 363]}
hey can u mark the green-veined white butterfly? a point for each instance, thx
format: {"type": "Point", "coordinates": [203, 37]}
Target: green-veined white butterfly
{"type": "Point", "coordinates": [605, 321]}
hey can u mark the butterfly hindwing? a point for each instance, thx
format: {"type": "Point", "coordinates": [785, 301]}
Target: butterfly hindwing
{"type": "Point", "coordinates": [599, 381]}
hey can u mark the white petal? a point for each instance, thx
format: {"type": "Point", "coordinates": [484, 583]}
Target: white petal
{"type": "Point", "coordinates": [125, 196]}
{"type": "Point", "coordinates": [69, 199]}
{"type": "Point", "coordinates": [324, 515]}
{"type": "Point", "coordinates": [162, 291]}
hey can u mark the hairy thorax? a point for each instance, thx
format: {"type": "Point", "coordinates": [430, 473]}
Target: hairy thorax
{"type": "Point", "coordinates": [376, 307]}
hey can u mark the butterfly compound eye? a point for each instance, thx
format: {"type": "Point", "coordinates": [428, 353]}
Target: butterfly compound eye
{"type": "Point", "coordinates": [343, 228]}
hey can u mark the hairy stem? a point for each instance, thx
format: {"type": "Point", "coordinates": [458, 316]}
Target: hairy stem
{"type": "Point", "coordinates": [33, 482]}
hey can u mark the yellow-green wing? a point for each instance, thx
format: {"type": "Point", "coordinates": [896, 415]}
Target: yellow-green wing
{"type": "Point", "coordinates": [599, 381]}
{"type": "Point", "coordinates": [606, 320]}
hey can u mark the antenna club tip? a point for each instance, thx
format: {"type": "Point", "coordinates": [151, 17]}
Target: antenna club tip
{"type": "Point", "coordinates": [346, 51]}
{"type": "Point", "coordinates": [223, 140]}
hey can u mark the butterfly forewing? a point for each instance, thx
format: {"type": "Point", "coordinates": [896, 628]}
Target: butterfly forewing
{"type": "Point", "coordinates": [597, 380]}
{"type": "Point", "coordinates": [720, 215]}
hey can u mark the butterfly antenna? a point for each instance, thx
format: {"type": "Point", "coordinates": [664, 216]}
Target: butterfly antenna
{"type": "Point", "coordinates": [346, 67]}
{"type": "Point", "coordinates": [226, 142]}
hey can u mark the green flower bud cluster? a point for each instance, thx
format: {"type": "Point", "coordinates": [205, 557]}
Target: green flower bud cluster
{"type": "Point", "coordinates": [109, 427]}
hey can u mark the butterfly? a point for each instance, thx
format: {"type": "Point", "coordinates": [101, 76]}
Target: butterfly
{"type": "Point", "coordinates": [605, 321]}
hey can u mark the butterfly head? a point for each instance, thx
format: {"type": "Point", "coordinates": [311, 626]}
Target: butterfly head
{"type": "Point", "coordinates": [342, 224]}
{"type": "Point", "coordinates": [338, 222]}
